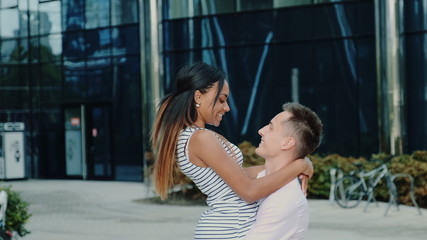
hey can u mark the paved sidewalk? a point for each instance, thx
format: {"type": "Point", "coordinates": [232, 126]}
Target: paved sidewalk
{"type": "Point", "coordinates": [95, 210]}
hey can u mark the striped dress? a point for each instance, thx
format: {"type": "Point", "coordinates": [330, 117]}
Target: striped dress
{"type": "Point", "coordinates": [228, 217]}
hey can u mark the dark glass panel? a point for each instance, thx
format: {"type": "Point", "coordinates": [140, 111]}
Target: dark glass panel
{"type": "Point", "coordinates": [365, 18]}
{"type": "Point", "coordinates": [14, 98]}
{"type": "Point", "coordinates": [172, 63]}
{"type": "Point", "coordinates": [125, 40]}
{"type": "Point", "coordinates": [293, 24]}
{"type": "Point", "coordinates": [336, 92]}
{"type": "Point", "coordinates": [51, 97]}
{"type": "Point", "coordinates": [416, 88]}
{"type": "Point", "coordinates": [250, 72]}
{"type": "Point", "coordinates": [14, 75]}
{"type": "Point", "coordinates": [97, 13]}
{"type": "Point", "coordinates": [332, 21]}
{"type": "Point", "coordinates": [51, 75]}
{"type": "Point", "coordinates": [35, 76]}
{"type": "Point", "coordinates": [128, 142]}
{"type": "Point", "coordinates": [177, 34]}
{"type": "Point", "coordinates": [246, 5]}
{"type": "Point", "coordinates": [74, 81]}
{"type": "Point", "coordinates": [51, 142]}
{"type": "Point", "coordinates": [9, 48]}
{"type": "Point", "coordinates": [367, 112]}
{"type": "Point", "coordinates": [99, 78]}
{"type": "Point", "coordinates": [74, 45]}
{"type": "Point", "coordinates": [247, 24]}
{"type": "Point", "coordinates": [98, 43]}
{"type": "Point", "coordinates": [51, 47]}
{"type": "Point", "coordinates": [124, 12]}
{"type": "Point", "coordinates": [73, 14]}
{"type": "Point", "coordinates": [415, 15]}
{"type": "Point", "coordinates": [50, 17]}
{"type": "Point", "coordinates": [34, 52]}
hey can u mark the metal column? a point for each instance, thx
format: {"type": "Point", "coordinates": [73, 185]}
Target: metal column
{"type": "Point", "coordinates": [390, 78]}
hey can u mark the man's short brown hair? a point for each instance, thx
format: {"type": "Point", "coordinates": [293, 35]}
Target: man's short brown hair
{"type": "Point", "coordinates": [306, 126]}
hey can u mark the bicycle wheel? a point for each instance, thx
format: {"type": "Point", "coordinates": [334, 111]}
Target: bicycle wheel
{"type": "Point", "coordinates": [349, 192]}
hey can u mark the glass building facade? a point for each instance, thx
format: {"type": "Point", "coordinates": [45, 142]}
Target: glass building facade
{"type": "Point", "coordinates": [76, 74]}
{"type": "Point", "coordinates": [321, 53]}
{"type": "Point", "coordinates": [70, 70]}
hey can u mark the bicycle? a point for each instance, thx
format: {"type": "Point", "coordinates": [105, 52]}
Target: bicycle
{"type": "Point", "coordinates": [351, 188]}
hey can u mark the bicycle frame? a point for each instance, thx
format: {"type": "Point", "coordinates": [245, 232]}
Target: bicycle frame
{"type": "Point", "coordinates": [349, 196]}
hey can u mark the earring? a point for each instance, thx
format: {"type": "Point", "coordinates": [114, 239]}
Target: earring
{"type": "Point", "coordinates": [197, 105]}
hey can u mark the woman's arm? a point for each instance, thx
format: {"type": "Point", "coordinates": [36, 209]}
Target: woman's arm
{"type": "Point", "coordinates": [252, 172]}
{"type": "Point", "coordinates": [205, 147]}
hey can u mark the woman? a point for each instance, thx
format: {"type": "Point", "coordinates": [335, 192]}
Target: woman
{"type": "Point", "coordinates": [214, 164]}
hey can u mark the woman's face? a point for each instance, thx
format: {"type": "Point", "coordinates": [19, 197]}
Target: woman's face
{"type": "Point", "coordinates": [211, 111]}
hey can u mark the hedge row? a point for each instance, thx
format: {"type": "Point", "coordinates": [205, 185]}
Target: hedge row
{"type": "Point", "coordinates": [414, 164]}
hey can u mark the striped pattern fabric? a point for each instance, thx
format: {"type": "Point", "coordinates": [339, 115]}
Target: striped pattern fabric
{"type": "Point", "coordinates": [229, 217]}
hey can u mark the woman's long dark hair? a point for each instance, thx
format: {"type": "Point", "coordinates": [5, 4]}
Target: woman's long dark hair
{"type": "Point", "coordinates": [177, 111]}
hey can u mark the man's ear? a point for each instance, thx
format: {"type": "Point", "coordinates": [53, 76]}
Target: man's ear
{"type": "Point", "coordinates": [288, 143]}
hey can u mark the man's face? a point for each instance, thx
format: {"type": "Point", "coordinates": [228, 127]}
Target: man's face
{"type": "Point", "coordinates": [273, 136]}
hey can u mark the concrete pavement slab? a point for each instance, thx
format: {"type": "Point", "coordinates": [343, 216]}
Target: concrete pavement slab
{"type": "Point", "coordinates": [95, 210]}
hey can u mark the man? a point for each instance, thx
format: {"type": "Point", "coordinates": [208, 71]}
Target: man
{"type": "Point", "coordinates": [291, 134]}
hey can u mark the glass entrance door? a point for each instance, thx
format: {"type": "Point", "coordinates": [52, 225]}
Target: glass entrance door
{"type": "Point", "coordinates": [74, 158]}
{"type": "Point", "coordinates": [88, 141]}
{"type": "Point", "coordinates": [99, 142]}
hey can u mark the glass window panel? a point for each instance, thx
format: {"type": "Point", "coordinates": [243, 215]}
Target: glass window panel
{"type": "Point", "coordinates": [8, 3]}
{"type": "Point", "coordinates": [34, 17]}
{"type": "Point", "coordinates": [125, 40]}
{"type": "Point", "coordinates": [22, 53]}
{"type": "Point", "coordinates": [34, 52]}
{"type": "Point", "coordinates": [180, 9]}
{"type": "Point", "coordinates": [8, 48]}
{"type": "Point", "coordinates": [366, 72]}
{"type": "Point", "coordinates": [73, 14]}
{"type": "Point", "coordinates": [51, 75]}
{"type": "Point", "coordinates": [334, 21]}
{"type": "Point", "coordinates": [365, 19]}
{"type": "Point", "coordinates": [74, 81]}
{"type": "Point", "coordinates": [416, 86]}
{"type": "Point", "coordinates": [98, 43]}
{"type": "Point", "coordinates": [123, 12]}
{"type": "Point", "coordinates": [15, 99]}
{"type": "Point", "coordinates": [9, 20]}
{"type": "Point", "coordinates": [415, 12]}
{"type": "Point", "coordinates": [23, 18]}
{"type": "Point", "coordinates": [127, 80]}
{"type": "Point", "coordinates": [97, 13]}
{"type": "Point", "coordinates": [50, 17]}
{"type": "Point", "coordinates": [209, 7]}
{"type": "Point", "coordinates": [74, 45]}
{"type": "Point", "coordinates": [14, 76]}
{"type": "Point", "coordinates": [98, 78]}
{"type": "Point", "coordinates": [35, 76]}
{"type": "Point", "coordinates": [249, 23]}
{"type": "Point", "coordinates": [289, 3]}
{"type": "Point", "coordinates": [246, 5]}
{"type": "Point", "coordinates": [51, 47]}
{"type": "Point", "coordinates": [298, 24]}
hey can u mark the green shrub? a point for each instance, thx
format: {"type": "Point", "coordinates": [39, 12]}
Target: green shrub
{"type": "Point", "coordinates": [17, 212]}
{"type": "Point", "coordinates": [319, 185]}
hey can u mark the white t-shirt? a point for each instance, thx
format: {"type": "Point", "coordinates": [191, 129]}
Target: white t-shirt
{"type": "Point", "coordinates": [283, 215]}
